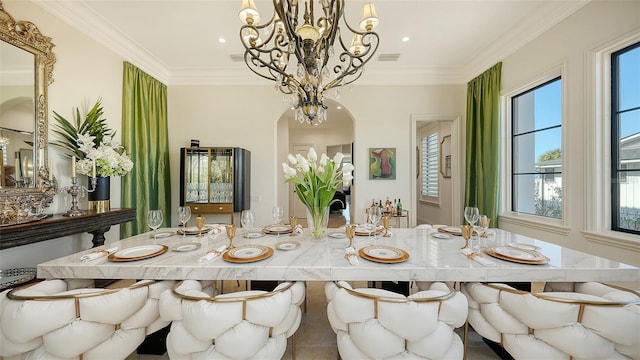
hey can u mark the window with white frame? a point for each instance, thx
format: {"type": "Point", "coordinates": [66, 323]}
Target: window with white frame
{"type": "Point", "coordinates": [536, 146]}
{"type": "Point", "coordinates": [625, 139]}
{"type": "Point", "coordinates": [429, 164]}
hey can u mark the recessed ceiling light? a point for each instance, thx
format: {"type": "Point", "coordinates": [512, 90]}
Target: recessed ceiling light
{"type": "Point", "coordinates": [222, 40]}
{"type": "Point", "coordinates": [405, 39]}
{"type": "Point", "coordinates": [339, 108]}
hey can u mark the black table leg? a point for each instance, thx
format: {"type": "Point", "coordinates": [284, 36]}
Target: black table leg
{"type": "Point", "coordinates": [98, 236]}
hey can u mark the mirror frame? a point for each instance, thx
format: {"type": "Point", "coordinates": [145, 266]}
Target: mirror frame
{"type": "Point", "coordinates": [16, 202]}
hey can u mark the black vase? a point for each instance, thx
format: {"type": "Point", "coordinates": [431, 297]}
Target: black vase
{"type": "Point", "coordinates": [99, 198]}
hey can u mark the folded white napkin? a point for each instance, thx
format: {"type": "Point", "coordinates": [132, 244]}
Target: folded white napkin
{"type": "Point", "coordinates": [216, 228]}
{"type": "Point", "coordinates": [95, 254]}
{"type": "Point", "coordinates": [477, 257]}
{"type": "Point", "coordinates": [210, 255]}
{"type": "Point", "coordinates": [350, 254]}
{"type": "Point", "coordinates": [298, 230]}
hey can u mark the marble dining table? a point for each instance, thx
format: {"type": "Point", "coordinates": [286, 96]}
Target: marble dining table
{"type": "Point", "coordinates": [431, 258]}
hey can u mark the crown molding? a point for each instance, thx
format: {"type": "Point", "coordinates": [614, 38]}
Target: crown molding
{"type": "Point", "coordinates": [92, 24]}
{"type": "Point", "coordinates": [88, 22]}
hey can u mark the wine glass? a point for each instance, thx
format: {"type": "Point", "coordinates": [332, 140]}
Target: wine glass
{"type": "Point", "coordinates": [277, 214]}
{"type": "Point", "coordinates": [483, 225]}
{"type": "Point", "coordinates": [154, 220]}
{"type": "Point", "coordinates": [199, 224]}
{"type": "Point", "coordinates": [184, 214]}
{"type": "Point", "coordinates": [471, 214]}
{"type": "Point", "coordinates": [231, 233]}
{"type": "Point", "coordinates": [247, 219]}
{"type": "Point", "coordinates": [467, 231]}
{"type": "Point", "coordinates": [351, 232]}
{"type": "Point", "coordinates": [386, 220]}
{"type": "Point", "coordinates": [293, 222]}
{"type": "Point", "coordinates": [374, 217]}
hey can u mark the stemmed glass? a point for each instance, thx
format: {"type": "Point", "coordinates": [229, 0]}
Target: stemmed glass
{"type": "Point", "coordinates": [154, 220]}
{"type": "Point", "coordinates": [184, 214]}
{"type": "Point", "coordinates": [351, 232]}
{"type": "Point", "coordinates": [231, 233]}
{"type": "Point", "coordinates": [247, 219]}
{"type": "Point", "coordinates": [199, 224]}
{"type": "Point", "coordinates": [386, 220]}
{"type": "Point", "coordinates": [277, 214]}
{"type": "Point", "coordinates": [483, 225]}
{"type": "Point", "coordinates": [374, 217]}
{"type": "Point", "coordinates": [471, 214]}
{"type": "Point", "coordinates": [293, 222]}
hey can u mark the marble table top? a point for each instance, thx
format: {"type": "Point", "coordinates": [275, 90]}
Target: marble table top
{"type": "Point", "coordinates": [431, 259]}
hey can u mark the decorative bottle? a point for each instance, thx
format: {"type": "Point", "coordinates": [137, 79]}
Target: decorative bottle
{"type": "Point", "coordinates": [399, 207]}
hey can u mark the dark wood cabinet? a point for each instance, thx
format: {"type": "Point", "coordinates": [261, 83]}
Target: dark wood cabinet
{"type": "Point", "coordinates": [215, 180]}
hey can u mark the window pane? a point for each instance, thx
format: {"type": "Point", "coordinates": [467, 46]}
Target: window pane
{"type": "Point", "coordinates": [629, 82]}
{"type": "Point", "coordinates": [629, 124]}
{"type": "Point", "coordinates": [625, 140]}
{"type": "Point", "coordinates": [429, 165]}
{"type": "Point", "coordinates": [533, 152]}
{"type": "Point", "coordinates": [539, 194]}
{"type": "Point", "coordinates": [538, 109]}
{"type": "Point", "coordinates": [629, 200]}
{"type": "Point", "coordinates": [537, 150]}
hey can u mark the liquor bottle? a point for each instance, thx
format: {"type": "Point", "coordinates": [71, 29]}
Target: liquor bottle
{"type": "Point", "coordinates": [373, 203]}
{"type": "Point", "coordinates": [380, 204]}
{"type": "Point", "coordinates": [399, 207]}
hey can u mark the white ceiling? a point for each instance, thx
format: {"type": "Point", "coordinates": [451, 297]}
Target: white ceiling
{"type": "Point", "coordinates": [451, 41]}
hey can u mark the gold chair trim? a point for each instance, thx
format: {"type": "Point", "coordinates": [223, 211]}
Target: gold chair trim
{"type": "Point", "coordinates": [233, 299]}
{"type": "Point", "coordinates": [446, 296]}
{"type": "Point", "coordinates": [13, 296]}
{"type": "Point", "coordinates": [546, 296]}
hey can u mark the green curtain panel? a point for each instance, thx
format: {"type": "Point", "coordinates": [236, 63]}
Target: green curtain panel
{"type": "Point", "coordinates": [145, 134]}
{"type": "Point", "coordinates": [482, 187]}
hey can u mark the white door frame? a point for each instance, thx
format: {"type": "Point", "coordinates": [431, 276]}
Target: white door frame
{"type": "Point", "coordinates": [457, 171]}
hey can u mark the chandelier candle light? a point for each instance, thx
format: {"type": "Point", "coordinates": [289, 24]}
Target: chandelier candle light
{"type": "Point", "coordinates": [310, 39]}
{"type": "Point", "coordinates": [316, 184]}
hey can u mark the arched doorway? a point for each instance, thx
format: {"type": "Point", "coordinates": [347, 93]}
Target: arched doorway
{"type": "Point", "coordinates": [334, 135]}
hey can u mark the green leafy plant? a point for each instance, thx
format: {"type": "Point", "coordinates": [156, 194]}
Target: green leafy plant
{"type": "Point", "coordinates": [93, 125]}
{"type": "Point", "coordinates": [90, 140]}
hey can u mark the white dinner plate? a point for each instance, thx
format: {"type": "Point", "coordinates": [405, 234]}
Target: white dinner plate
{"type": "Point", "coordinates": [514, 253]}
{"type": "Point", "coordinates": [253, 235]}
{"type": "Point", "coordinates": [163, 234]}
{"type": "Point", "coordinates": [138, 252]}
{"type": "Point", "coordinates": [247, 251]}
{"type": "Point", "coordinates": [441, 236]}
{"type": "Point", "coordinates": [383, 252]}
{"type": "Point", "coordinates": [287, 245]}
{"type": "Point", "coordinates": [338, 235]}
{"type": "Point", "coordinates": [525, 246]}
{"type": "Point", "coordinates": [187, 247]}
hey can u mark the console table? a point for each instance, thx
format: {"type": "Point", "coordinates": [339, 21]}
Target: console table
{"type": "Point", "coordinates": [96, 223]}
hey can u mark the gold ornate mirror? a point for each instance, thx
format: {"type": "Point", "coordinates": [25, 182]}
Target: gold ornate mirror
{"type": "Point", "coordinates": [26, 70]}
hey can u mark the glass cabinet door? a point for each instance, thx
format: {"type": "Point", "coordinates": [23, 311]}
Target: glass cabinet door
{"type": "Point", "coordinates": [196, 175]}
{"type": "Point", "coordinates": [221, 176]}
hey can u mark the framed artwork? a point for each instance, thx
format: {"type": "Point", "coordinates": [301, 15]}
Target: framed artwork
{"type": "Point", "coordinates": [382, 163]}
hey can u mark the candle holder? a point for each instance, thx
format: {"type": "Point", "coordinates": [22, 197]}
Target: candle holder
{"type": "Point", "coordinates": [74, 191]}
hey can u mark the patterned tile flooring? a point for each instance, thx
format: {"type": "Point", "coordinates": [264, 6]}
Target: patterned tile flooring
{"type": "Point", "coordinates": [316, 341]}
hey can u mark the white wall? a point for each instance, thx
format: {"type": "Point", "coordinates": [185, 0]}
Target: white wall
{"type": "Point", "coordinates": [83, 72]}
{"type": "Point", "coordinates": [568, 45]}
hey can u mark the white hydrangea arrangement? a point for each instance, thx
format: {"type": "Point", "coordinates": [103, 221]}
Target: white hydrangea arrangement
{"type": "Point", "coordinates": [109, 157]}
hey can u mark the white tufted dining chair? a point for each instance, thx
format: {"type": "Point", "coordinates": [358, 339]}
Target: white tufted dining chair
{"type": "Point", "coordinates": [379, 324]}
{"type": "Point", "coordinates": [241, 325]}
{"type": "Point", "coordinates": [567, 321]}
{"type": "Point", "coordinates": [58, 319]}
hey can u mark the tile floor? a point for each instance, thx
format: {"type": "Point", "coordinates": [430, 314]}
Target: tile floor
{"type": "Point", "coordinates": [316, 341]}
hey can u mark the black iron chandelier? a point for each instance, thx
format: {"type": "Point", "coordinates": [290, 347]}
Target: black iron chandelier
{"type": "Point", "coordinates": [320, 63]}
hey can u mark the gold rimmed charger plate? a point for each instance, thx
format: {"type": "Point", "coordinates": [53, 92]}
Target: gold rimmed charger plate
{"type": "Point", "coordinates": [383, 254]}
{"type": "Point", "coordinates": [452, 230]}
{"type": "Point", "coordinates": [247, 253]}
{"type": "Point", "coordinates": [138, 253]}
{"type": "Point", "coordinates": [518, 255]}
{"type": "Point", "coordinates": [277, 229]}
{"type": "Point", "coordinates": [194, 231]}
